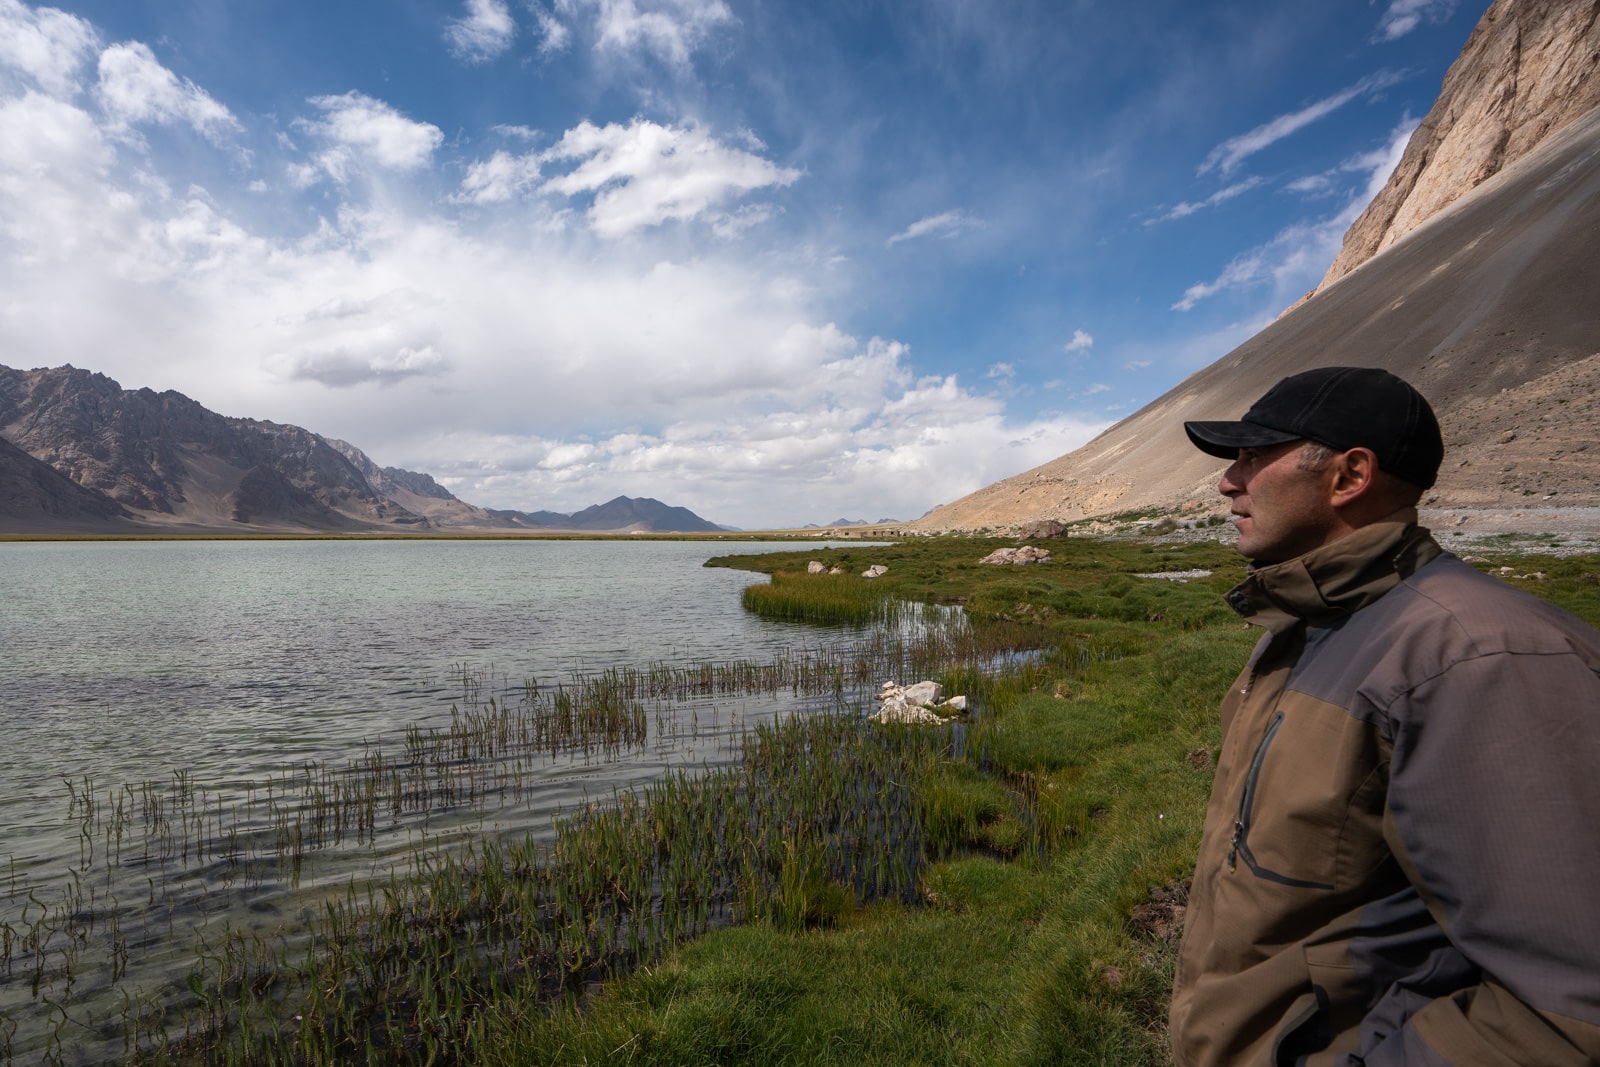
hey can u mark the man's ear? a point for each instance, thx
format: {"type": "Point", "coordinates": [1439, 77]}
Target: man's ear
{"type": "Point", "coordinates": [1354, 475]}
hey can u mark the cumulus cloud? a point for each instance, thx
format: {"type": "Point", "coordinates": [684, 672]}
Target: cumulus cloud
{"type": "Point", "coordinates": [502, 177]}
{"type": "Point", "coordinates": [355, 126]}
{"type": "Point", "coordinates": [1298, 255]}
{"type": "Point", "coordinates": [486, 31]}
{"type": "Point", "coordinates": [644, 174]}
{"type": "Point", "coordinates": [1081, 342]}
{"type": "Point", "coordinates": [945, 224]}
{"type": "Point", "coordinates": [1227, 156]}
{"type": "Point", "coordinates": [1403, 16]}
{"type": "Point", "coordinates": [46, 46]}
{"type": "Point", "coordinates": [135, 88]}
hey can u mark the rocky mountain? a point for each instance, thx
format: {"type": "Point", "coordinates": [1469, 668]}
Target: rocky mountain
{"type": "Point", "coordinates": [1473, 275]}
{"type": "Point", "coordinates": [81, 454]}
{"type": "Point", "coordinates": [638, 513]}
{"type": "Point", "coordinates": [40, 499]}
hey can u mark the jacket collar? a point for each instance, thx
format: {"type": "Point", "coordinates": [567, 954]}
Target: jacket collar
{"type": "Point", "coordinates": [1337, 579]}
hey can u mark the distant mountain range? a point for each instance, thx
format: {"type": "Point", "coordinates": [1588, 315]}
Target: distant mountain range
{"type": "Point", "coordinates": [81, 454]}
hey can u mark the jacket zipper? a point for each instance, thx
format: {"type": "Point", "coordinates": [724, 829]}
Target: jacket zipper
{"type": "Point", "coordinates": [1241, 824]}
{"type": "Point", "coordinates": [1240, 846]}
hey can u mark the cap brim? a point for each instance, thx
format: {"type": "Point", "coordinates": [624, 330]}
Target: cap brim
{"type": "Point", "coordinates": [1224, 439]}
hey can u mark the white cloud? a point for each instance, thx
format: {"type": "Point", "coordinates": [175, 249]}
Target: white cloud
{"type": "Point", "coordinates": [554, 36]}
{"type": "Point", "coordinates": [484, 33]}
{"type": "Point", "coordinates": [356, 125]}
{"type": "Point", "coordinates": [668, 30]}
{"type": "Point", "coordinates": [1227, 156]}
{"type": "Point", "coordinates": [1081, 342]}
{"type": "Point", "coordinates": [945, 224]}
{"type": "Point", "coordinates": [47, 46]}
{"type": "Point", "coordinates": [1002, 371]}
{"type": "Point", "coordinates": [1403, 16]}
{"type": "Point", "coordinates": [1185, 209]}
{"type": "Point", "coordinates": [645, 174]}
{"type": "Point", "coordinates": [135, 88]}
{"type": "Point", "coordinates": [499, 178]}
{"type": "Point", "coordinates": [1298, 255]}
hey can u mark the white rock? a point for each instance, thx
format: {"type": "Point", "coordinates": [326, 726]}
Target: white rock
{"type": "Point", "coordinates": [874, 570]}
{"type": "Point", "coordinates": [816, 567]}
{"type": "Point", "coordinates": [1024, 554]}
{"type": "Point", "coordinates": [924, 694]}
{"type": "Point", "coordinates": [956, 703]}
{"type": "Point", "coordinates": [898, 711]}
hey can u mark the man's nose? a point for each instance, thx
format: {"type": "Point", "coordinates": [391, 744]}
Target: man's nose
{"type": "Point", "coordinates": [1231, 484]}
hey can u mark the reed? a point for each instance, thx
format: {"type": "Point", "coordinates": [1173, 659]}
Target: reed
{"type": "Point", "coordinates": [826, 599]}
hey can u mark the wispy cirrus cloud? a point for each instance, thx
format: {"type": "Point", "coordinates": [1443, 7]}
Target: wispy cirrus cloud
{"type": "Point", "coordinates": [944, 224]}
{"type": "Point", "coordinates": [483, 33]}
{"type": "Point", "coordinates": [1298, 255]}
{"type": "Point", "coordinates": [669, 31]}
{"type": "Point", "coordinates": [1227, 156]}
{"type": "Point", "coordinates": [1221, 196]}
{"type": "Point", "coordinates": [1403, 16]}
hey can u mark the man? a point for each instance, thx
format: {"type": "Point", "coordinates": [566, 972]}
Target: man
{"type": "Point", "coordinates": [1401, 857]}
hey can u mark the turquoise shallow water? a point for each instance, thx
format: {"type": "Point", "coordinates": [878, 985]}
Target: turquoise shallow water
{"type": "Point", "coordinates": [229, 662]}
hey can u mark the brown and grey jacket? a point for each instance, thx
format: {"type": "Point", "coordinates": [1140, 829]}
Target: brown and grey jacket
{"type": "Point", "coordinates": [1401, 860]}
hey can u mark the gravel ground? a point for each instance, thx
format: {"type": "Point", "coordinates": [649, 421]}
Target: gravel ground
{"type": "Point", "coordinates": [1475, 531]}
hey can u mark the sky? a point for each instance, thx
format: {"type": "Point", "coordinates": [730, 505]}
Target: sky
{"type": "Point", "coordinates": [776, 261]}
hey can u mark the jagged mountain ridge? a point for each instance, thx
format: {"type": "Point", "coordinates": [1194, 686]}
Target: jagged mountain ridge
{"type": "Point", "coordinates": [84, 455]}
{"type": "Point", "coordinates": [1487, 306]}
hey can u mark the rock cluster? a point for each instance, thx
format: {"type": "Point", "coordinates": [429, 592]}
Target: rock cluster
{"type": "Point", "coordinates": [916, 705]}
{"type": "Point", "coordinates": [1024, 554]}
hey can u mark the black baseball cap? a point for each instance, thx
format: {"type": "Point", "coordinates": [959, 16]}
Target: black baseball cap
{"type": "Point", "coordinates": [1342, 408]}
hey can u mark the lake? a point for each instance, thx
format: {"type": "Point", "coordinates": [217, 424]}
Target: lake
{"type": "Point", "coordinates": [187, 673]}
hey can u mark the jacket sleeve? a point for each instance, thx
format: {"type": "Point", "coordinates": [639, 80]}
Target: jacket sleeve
{"type": "Point", "coordinates": [1494, 813]}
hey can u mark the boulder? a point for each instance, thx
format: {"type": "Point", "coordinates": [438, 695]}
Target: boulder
{"type": "Point", "coordinates": [1021, 555]}
{"type": "Point", "coordinates": [816, 567]}
{"type": "Point", "coordinates": [874, 571]}
{"type": "Point", "coordinates": [918, 705]}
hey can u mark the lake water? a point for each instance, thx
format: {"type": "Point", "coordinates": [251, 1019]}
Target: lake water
{"type": "Point", "coordinates": [226, 662]}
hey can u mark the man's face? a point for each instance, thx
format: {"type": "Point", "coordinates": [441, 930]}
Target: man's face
{"type": "Point", "coordinates": [1280, 509]}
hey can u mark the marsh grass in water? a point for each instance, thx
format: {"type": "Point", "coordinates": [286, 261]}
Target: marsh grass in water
{"type": "Point", "coordinates": [819, 816]}
{"type": "Point", "coordinates": [828, 599]}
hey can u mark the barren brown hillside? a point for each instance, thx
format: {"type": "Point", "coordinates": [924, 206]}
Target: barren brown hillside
{"type": "Point", "coordinates": [1491, 306]}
